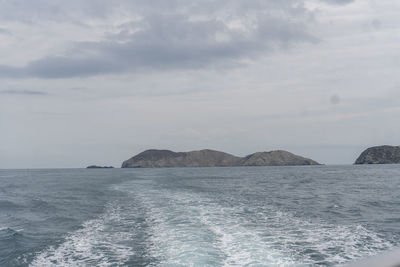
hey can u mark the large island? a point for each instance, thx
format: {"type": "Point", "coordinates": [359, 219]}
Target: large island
{"type": "Point", "coordinates": [380, 155]}
{"type": "Point", "coordinates": [155, 158]}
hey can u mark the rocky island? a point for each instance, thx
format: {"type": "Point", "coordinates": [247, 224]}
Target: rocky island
{"type": "Point", "coordinates": [99, 167]}
{"type": "Point", "coordinates": [275, 158]}
{"type": "Point", "coordinates": [155, 158]}
{"type": "Point", "coordinates": [380, 155]}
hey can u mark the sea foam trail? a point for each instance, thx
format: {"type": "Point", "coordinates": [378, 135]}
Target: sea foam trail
{"type": "Point", "coordinates": [188, 230]}
{"type": "Point", "coordinates": [96, 244]}
{"type": "Point", "coordinates": [182, 226]}
{"type": "Point", "coordinates": [193, 229]}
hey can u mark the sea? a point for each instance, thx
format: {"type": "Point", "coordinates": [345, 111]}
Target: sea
{"type": "Point", "coordinates": [226, 216]}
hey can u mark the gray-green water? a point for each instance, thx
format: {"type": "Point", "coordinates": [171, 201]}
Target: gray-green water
{"type": "Point", "coordinates": [242, 216]}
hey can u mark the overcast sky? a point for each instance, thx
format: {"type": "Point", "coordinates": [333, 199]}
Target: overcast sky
{"type": "Point", "coordinates": [96, 82]}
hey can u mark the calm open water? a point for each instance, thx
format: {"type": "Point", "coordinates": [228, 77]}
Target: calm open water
{"type": "Point", "coordinates": [241, 216]}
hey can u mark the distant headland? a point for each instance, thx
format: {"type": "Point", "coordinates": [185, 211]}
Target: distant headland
{"type": "Point", "coordinates": [380, 155]}
{"type": "Point", "coordinates": [154, 158]}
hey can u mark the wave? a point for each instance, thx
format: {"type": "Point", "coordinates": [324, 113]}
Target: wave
{"type": "Point", "coordinates": [41, 205]}
{"type": "Point", "coordinates": [177, 227]}
{"type": "Point", "coordinates": [188, 228]}
{"type": "Point", "coordinates": [186, 232]}
{"type": "Point", "coordinates": [94, 244]}
{"type": "Point", "coordinates": [10, 231]}
{"type": "Point", "coordinates": [7, 204]}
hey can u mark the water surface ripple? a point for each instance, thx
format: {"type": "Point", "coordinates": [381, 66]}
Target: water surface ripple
{"type": "Point", "coordinates": [241, 216]}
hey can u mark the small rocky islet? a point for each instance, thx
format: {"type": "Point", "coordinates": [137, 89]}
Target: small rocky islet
{"type": "Point", "coordinates": [154, 158]}
{"type": "Point", "coordinates": [99, 167]}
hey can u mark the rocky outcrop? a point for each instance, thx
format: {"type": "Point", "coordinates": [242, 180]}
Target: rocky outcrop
{"type": "Point", "coordinates": [99, 167]}
{"type": "Point", "coordinates": [154, 158]}
{"type": "Point", "coordinates": [165, 158]}
{"type": "Point", "coordinates": [380, 155]}
{"type": "Point", "coordinates": [275, 158]}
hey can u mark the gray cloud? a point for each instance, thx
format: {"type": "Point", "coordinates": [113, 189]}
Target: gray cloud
{"type": "Point", "coordinates": [21, 92]}
{"type": "Point", "coordinates": [78, 10]}
{"type": "Point", "coordinates": [179, 35]}
{"type": "Point", "coordinates": [5, 31]}
{"type": "Point", "coordinates": [338, 2]}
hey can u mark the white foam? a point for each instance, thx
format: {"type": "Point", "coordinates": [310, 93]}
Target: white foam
{"type": "Point", "coordinates": [336, 244]}
{"type": "Point", "coordinates": [190, 229]}
{"type": "Point", "coordinates": [243, 246]}
{"type": "Point", "coordinates": [94, 245]}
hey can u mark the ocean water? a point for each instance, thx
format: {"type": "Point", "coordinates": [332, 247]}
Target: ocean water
{"type": "Point", "coordinates": [241, 216]}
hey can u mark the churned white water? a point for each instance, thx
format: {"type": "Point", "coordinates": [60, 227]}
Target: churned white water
{"type": "Point", "coordinates": [98, 243]}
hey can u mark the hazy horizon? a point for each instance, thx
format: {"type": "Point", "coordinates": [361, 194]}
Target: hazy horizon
{"type": "Point", "coordinates": [97, 82]}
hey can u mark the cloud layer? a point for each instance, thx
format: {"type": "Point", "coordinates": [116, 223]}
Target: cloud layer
{"type": "Point", "coordinates": [173, 34]}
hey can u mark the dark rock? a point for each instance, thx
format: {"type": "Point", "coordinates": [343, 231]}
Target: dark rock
{"type": "Point", "coordinates": [380, 155]}
{"type": "Point", "coordinates": [99, 167]}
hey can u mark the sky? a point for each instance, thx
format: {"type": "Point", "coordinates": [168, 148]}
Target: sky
{"type": "Point", "coordinates": [95, 82]}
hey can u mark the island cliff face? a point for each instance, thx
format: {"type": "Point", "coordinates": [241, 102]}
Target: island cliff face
{"type": "Point", "coordinates": [380, 155]}
{"type": "Point", "coordinates": [165, 158]}
{"type": "Point", "coordinates": [210, 158]}
{"type": "Point", "coordinates": [275, 158]}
